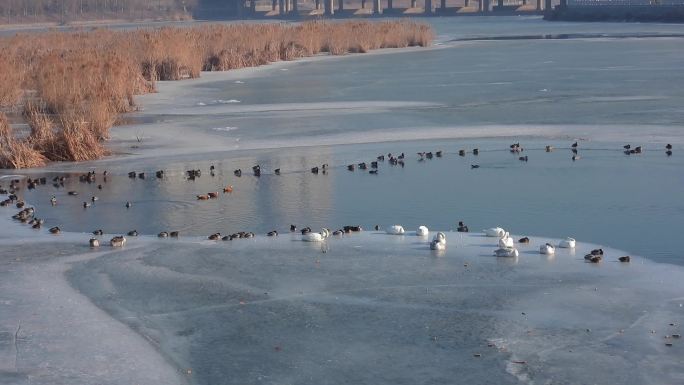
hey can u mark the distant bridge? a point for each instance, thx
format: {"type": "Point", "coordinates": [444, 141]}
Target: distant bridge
{"type": "Point", "coordinates": [348, 8]}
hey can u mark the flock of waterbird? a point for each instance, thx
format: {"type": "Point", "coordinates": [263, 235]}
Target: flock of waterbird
{"type": "Point", "coordinates": [505, 242]}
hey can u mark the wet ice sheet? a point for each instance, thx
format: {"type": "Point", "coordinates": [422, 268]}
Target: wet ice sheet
{"type": "Point", "coordinates": [365, 308]}
{"type": "Point", "coordinates": [375, 308]}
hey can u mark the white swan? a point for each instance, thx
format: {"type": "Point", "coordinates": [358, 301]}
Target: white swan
{"type": "Point", "coordinates": [395, 230]}
{"type": "Point", "coordinates": [506, 252]}
{"type": "Point", "coordinates": [422, 231]}
{"type": "Point", "coordinates": [316, 237]}
{"type": "Point", "coordinates": [547, 249]}
{"type": "Point", "coordinates": [494, 232]}
{"type": "Point", "coordinates": [567, 243]}
{"type": "Point", "coordinates": [506, 241]}
{"type": "Point", "coordinates": [438, 242]}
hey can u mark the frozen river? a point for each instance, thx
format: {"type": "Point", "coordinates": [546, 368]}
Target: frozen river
{"type": "Point", "coordinates": [371, 308]}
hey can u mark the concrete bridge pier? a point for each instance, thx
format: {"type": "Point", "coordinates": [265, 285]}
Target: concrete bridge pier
{"type": "Point", "coordinates": [318, 4]}
{"type": "Point", "coordinates": [274, 4]}
{"type": "Point", "coordinates": [281, 7]}
{"type": "Point", "coordinates": [442, 4]}
{"type": "Point", "coordinates": [413, 3]}
{"type": "Point", "coordinates": [377, 7]}
{"type": "Point", "coordinates": [563, 4]}
{"type": "Point", "coordinates": [295, 7]}
{"type": "Point", "coordinates": [539, 3]}
{"type": "Point", "coordinates": [363, 4]}
{"type": "Point", "coordinates": [547, 6]}
{"type": "Point", "coordinates": [484, 6]}
{"type": "Point", "coordinates": [466, 3]}
{"type": "Point", "coordinates": [389, 4]}
{"type": "Point", "coordinates": [499, 3]}
{"type": "Point", "coordinates": [328, 5]}
{"type": "Point", "coordinates": [340, 6]}
{"type": "Point", "coordinates": [252, 6]}
{"type": "Point", "coordinates": [428, 7]}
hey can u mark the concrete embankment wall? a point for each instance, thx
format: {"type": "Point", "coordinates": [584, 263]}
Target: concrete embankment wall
{"type": "Point", "coordinates": [661, 13]}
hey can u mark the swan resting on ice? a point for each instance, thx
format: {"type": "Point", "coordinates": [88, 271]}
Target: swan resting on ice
{"type": "Point", "coordinates": [438, 242]}
{"type": "Point", "coordinates": [567, 243]}
{"type": "Point", "coordinates": [422, 231]}
{"type": "Point", "coordinates": [495, 232]}
{"type": "Point", "coordinates": [395, 230]}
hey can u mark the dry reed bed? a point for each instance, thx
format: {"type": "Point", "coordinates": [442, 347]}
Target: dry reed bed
{"type": "Point", "coordinates": [70, 87]}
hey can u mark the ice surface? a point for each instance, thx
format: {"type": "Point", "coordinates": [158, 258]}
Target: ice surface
{"type": "Point", "coordinates": [361, 308]}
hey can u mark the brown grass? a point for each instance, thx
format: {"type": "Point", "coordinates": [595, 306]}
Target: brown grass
{"type": "Point", "coordinates": [73, 86]}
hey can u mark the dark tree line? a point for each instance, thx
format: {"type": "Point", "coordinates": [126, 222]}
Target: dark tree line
{"type": "Point", "coordinates": [65, 10]}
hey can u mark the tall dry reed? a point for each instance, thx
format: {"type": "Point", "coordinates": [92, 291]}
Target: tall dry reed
{"type": "Point", "coordinates": [72, 86]}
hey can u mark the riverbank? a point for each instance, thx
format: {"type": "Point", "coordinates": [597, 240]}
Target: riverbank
{"type": "Point", "coordinates": [71, 123]}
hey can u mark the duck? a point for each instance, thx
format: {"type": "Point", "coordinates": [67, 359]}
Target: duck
{"type": "Point", "coordinates": [422, 231]}
{"type": "Point", "coordinates": [273, 233]}
{"type": "Point", "coordinates": [237, 172]}
{"type": "Point", "coordinates": [53, 200]}
{"type": "Point", "coordinates": [574, 145]}
{"type": "Point", "coordinates": [395, 230]}
{"type": "Point", "coordinates": [118, 241]}
{"type": "Point", "coordinates": [626, 258]}
{"type": "Point", "coordinates": [507, 252]}
{"type": "Point", "coordinates": [374, 164]}
{"type": "Point", "coordinates": [133, 233]}
{"type": "Point", "coordinates": [362, 166]}
{"type": "Point", "coordinates": [373, 172]}
{"type": "Point", "coordinates": [547, 249]}
{"type": "Point", "coordinates": [228, 189]}
{"type": "Point", "coordinates": [352, 229]}
{"type": "Point", "coordinates": [248, 235]}
{"type": "Point", "coordinates": [141, 175]}
{"type": "Point", "coordinates": [549, 148]}
{"type": "Point", "coordinates": [474, 166]}
{"type": "Point", "coordinates": [495, 232]}
{"type": "Point", "coordinates": [637, 150]}
{"type": "Point", "coordinates": [668, 146]}
{"type": "Point", "coordinates": [627, 146]}
{"type": "Point", "coordinates": [98, 232]}
{"type": "Point", "coordinates": [293, 228]}
{"type": "Point", "coordinates": [86, 205]}
{"type": "Point", "coordinates": [461, 152]}
{"type": "Point", "coordinates": [54, 230]}
{"type": "Point", "coordinates": [523, 158]}
{"type": "Point", "coordinates": [314, 170]}
{"type": "Point", "coordinates": [568, 243]}
{"type": "Point", "coordinates": [94, 242]}
{"type": "Point", "coordinates": [227, 238]}
{"type": "Point", "coordinates": [159, 174]}
{"type": "Point", "coordinates": [476, 151]}
{"type": "Point", "coordinates": [214, 237]}
{"type": "Point", "coordinates": [595, 259]}
{"type": "Point", "coordinates": [350, 167]}
{"type": "Point", "coordinates": [306, 230]}
{"type": "Point", "coordinates": [596, 252]}
{"type": "Point", "coordinates": [524, 240]}
{"type": "Point", "coordinates": [575, 157]}
{"type": "Point", "coordinates": [462, 228]}
{"type": "Point", "coordinates": [132, 174]}
{"type": "Point", "coordinates": [202, 197]}
{"type": "Point", "coordinates": [574, 151]}
{"type": "Point", "coordinates": [213, 195]}
{"type": "Point", "coordinates": [668, 152]}
{"type": "Point", "coordinates": [94, 198]}
{"type": "Point", "coordinates": [381, 157]}
{"type": "Point", "coordinates": [277, 171]}
{"type": "Point", "coordinates": [506, 241]}
{"type": "Point", "coordinates": [438, 242]}
{"type": "Point", "coordinates": [163, 234]}
{"type": "Point", "coordinates": [338, 232]}
{"type": "Point", "coordinates": [174, 234]}
{"type": "Point", "coordinates": [73, 193]}
{"type": "Point", "coordinates": [128, 205]}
